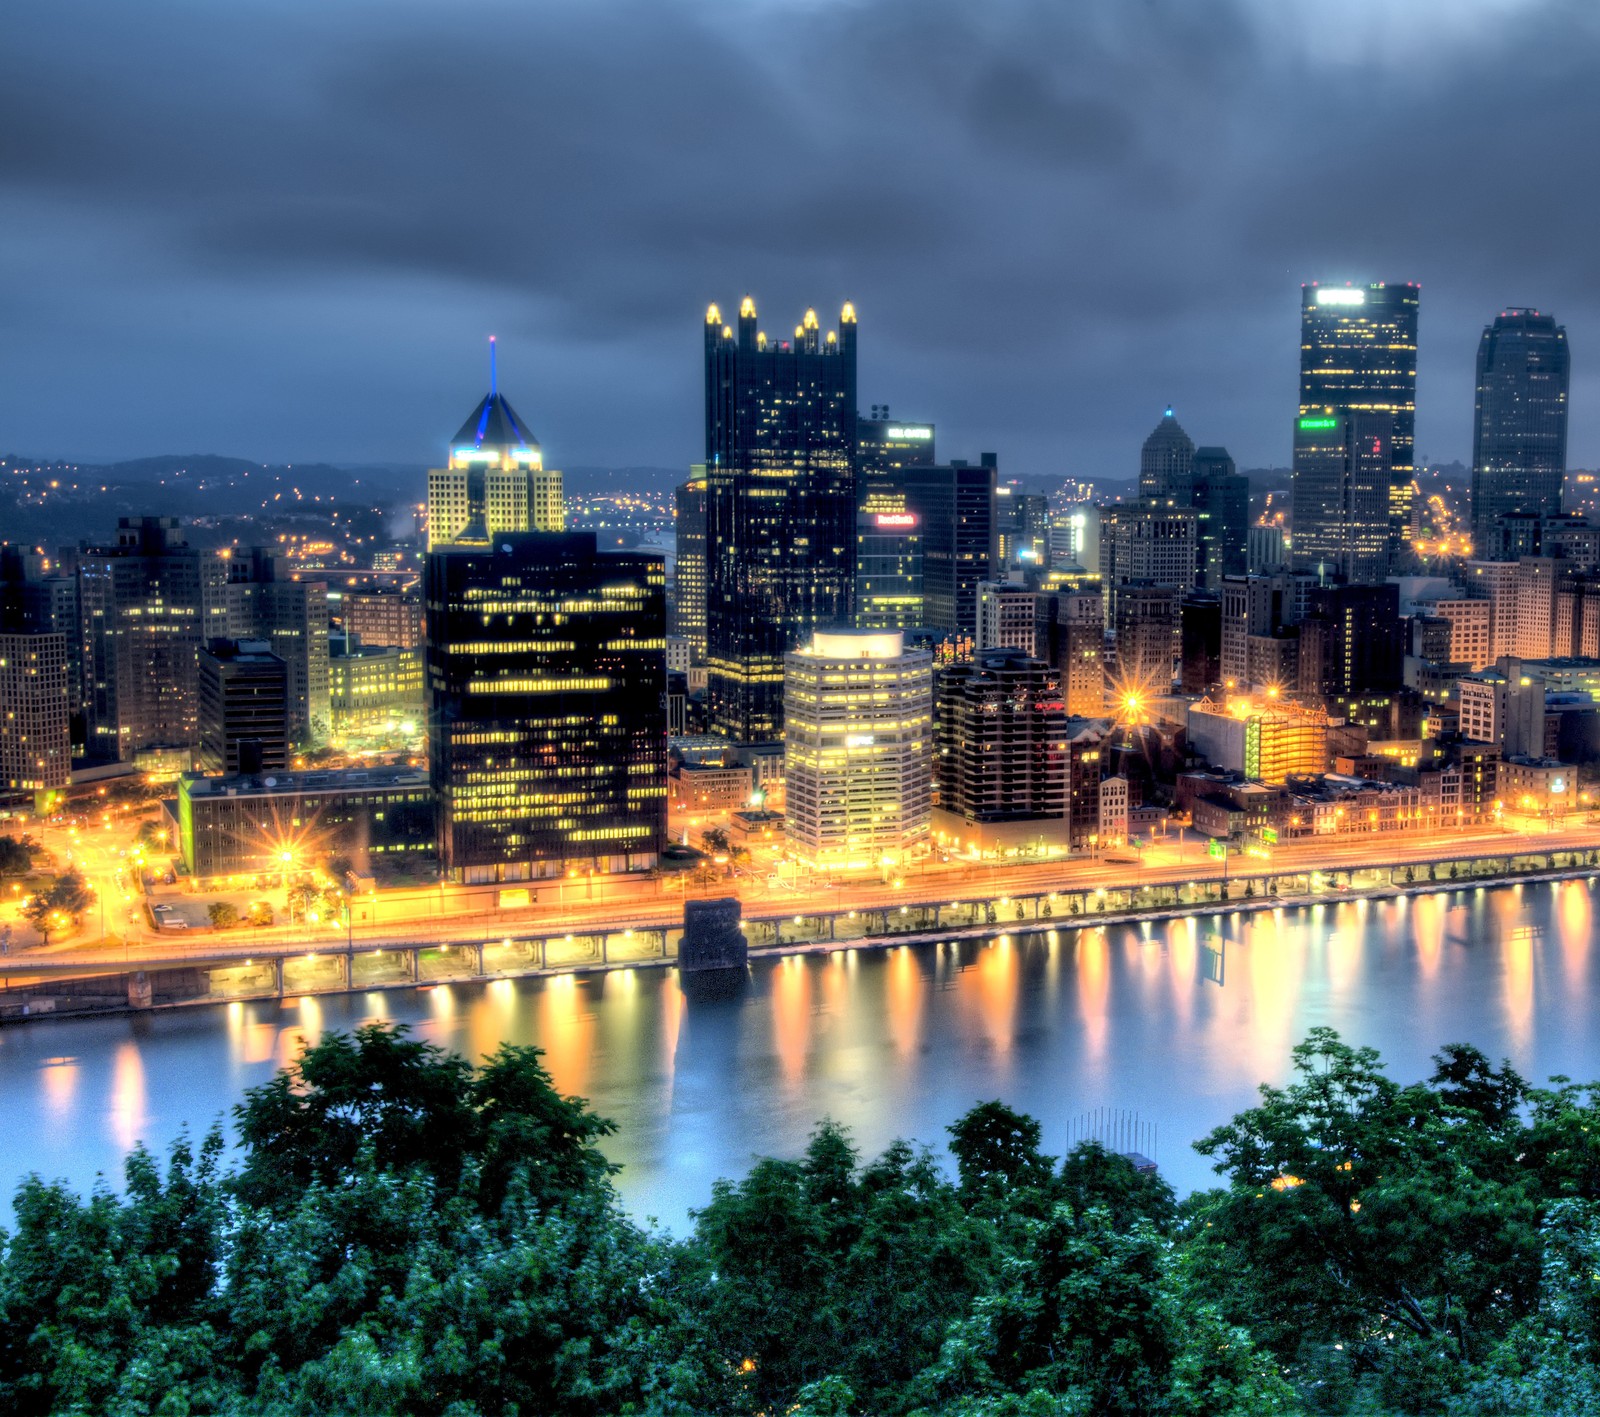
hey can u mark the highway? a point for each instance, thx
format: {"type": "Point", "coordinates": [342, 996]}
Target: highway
{"type": "Point", "coordinates": [1160, 864]}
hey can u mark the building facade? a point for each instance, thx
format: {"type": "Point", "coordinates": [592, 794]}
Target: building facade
{"type": "Point", "coordinates": [496, 480]}
{"type": "Point", "coordinates": [858, 739]}
{"type": "Point", "coordinates": [546, 683]}
{"type": "Point", "coordinates": [780, 506]}
{"type": "Point", "coordinates": [1343, 470]}
{"type": "Point", "coordinates": [955, 505]}
{"type": "Point", "coordinates": [1358, 356]}
{"type": "Point", "coordinates": [1519, 428]}
{"type": "Point", "coordinates": [244, 709]}
{"type": "Point", "coordinates": [689, 563]}
{"type": "Point", "coordinates": [1002, 739]}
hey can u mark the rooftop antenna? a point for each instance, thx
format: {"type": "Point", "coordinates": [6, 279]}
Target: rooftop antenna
{"type": "Point", "coordinates": [494, 383]}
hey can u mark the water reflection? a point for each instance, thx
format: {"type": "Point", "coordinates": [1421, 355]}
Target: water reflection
{"type": "Point", "coordinates": [1179, 1021]}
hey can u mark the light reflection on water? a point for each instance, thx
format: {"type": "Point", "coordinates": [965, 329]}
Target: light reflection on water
{"type": "Point", "coordinates": [895, 1042]}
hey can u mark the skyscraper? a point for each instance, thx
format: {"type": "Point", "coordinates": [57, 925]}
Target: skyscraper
{"type": "Point", "coordinates": [858, 740]}
{"type": "Point", "coordinates": [149, 603]}
{"type": "Point", "coordinates": [780, 506]}
{"type": "Point", "coordinates": [1519, 428]}
{"type": "Point", "coordinates": [884, 445]}
{"type": "Point", "coordinates": [1343, 463]}
{"type": "Point", "coordinates": [546, 688]}
{"type": "Point", "coordinates": [496, 479]}
{"type": "Point", "coordinates": [1358, 355]}
{"type": "Point", "coordinates": [955, 502]}
{"type": "Point", "coordinates": [689, 563]}
{"type": "Point", "coordinates": [1166, 461]}
{"type": "Point", "coordinates": [268, 601]}
{"type": "Point", "coordinates": [1221, 500]}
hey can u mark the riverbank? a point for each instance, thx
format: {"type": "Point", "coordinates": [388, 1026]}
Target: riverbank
{"type": "Point", "coordinates": [59, 989]}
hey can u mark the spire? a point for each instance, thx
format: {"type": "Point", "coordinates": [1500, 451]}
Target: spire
{"type": "Point", "coordinates": [494, 382]}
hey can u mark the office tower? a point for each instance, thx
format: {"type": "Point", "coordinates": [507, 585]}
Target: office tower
{"type": "Point", "coordinates": [1343, 465]}
{"type": "Point", "coordinates": [1200, 642]}
{"type": "Point", "coordinates": [1075, 539]}
{"type": "Point", "coordinates": [1221, 500]}
{"type": "Point", "coordinates": [35, 691]}
{"type": "Point", "coordinates": [1265, 550]}
{"type": "Point", "coordinates": [1022, 529]}
{"type": "Point", "coordinates": [858, 731]}
{"type": "Point", "coordinates": [1075, 628]}
{"type": "Point", "coordinates": [1002, 739]}
{"type": "Point", "coordinates": [884, 445]}
{"type": "Point", "coordinates": [888, 564]}
{"type": "Point", "coordinates": [689, 563]}
{"type": "Point", "coordinates": [39, 596]}
{"type": "Point", "coordinates": [379, 615]}
{"type": "Point", "coordinates": [149, 602]}
{"type": "Point", "coordinates": [496, 479]}
{"type": "Point", "coordinates": [35, 742]}
{"type": "Point", "coordinates": [780, 507]}
{"type": "Point", "coordinates": [955, 502]}
{"type": "Point", "coordinates": [1008, 617]}
{"type": "Point", "coordinates": [244, 709]}
{"type": "Point", "coordinates": [1358, 355]}
{"type": "Point", "coordinates": [1166, 462]}
{"type": "Point", "coordinates": [374, 688]}
{"type": "Point", "coordinates": [1148, 542]}
{"type": "Point", "coordinates": [1519, 428]}
{"type": "Point", "coordinates": [1260, 635]}
{"type": "Point", "coordinates": [546, 707]}
{"type": "Point", "coordinates": [1352, 641]}
{"type": "Point", "coordinates": [267, 600]}
{"type": "Point", "coordinates": [1466, 628]}
{"type": "Point", "coordinates": [1148, 625]}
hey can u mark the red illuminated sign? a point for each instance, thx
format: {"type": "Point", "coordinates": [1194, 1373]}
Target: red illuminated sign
{"type": "Point", "coordinates": [896, 519]}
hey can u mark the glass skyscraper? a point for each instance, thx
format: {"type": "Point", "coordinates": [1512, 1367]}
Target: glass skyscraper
{"type": "Point", "coordinates": [1342, 464]}
{"type": "Point", "coordinates": [547, 724]}
{"type": "Point", "coordinates": [780, 507]}
{"type": "Point", "coordinates": [1358, 356]}
{"type": "Point", "coordinates": [1519, 427]}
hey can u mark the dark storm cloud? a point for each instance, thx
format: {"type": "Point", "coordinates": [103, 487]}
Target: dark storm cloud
{"type": "Point", "coordinates": [1054, 218]}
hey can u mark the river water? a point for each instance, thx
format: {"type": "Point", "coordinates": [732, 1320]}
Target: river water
{"type": "Point", "coordinates": [1177, 1021]}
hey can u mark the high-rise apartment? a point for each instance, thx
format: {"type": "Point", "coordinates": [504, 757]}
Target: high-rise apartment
{"type": "Point", "coordinates": [689, 562]}
{"type": "Point", "coordinates": [1002, 739]}
{"type": "Point", "coordinates": [1343, 466]}
{"type": "Point", "coordinates": [858, 740]}
{"type": "Point", "coordinates": [1519, 427]}
{"type": "Point", "coordinates": [546, 683]}
{"type": "Point", "coordinates": [496, 479]}
{"type": "Point", "coordinates": [780, 506]}
{"type": "Point", "coordinates": [1358, 356]}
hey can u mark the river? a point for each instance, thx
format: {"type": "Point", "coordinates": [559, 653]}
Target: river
{"type": "Point", "coordinates": [1178, 1021]}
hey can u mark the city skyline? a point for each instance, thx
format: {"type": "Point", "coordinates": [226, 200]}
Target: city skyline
{"type": "Point", "coordinates": [287, 237]}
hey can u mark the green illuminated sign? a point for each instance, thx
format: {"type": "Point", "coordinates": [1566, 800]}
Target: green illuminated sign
{"type": "Point", "coordinates": [1216, 848]}
{"type": "Point", "coordinates": [1312, 425]}
{"type": "Point", "coordinates": [1269, 835]}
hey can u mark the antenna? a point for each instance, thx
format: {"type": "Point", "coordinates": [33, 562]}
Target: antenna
{"type": "Point", "coordinates": [494, 383]}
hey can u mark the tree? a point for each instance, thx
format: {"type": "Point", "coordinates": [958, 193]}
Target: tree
{"type": "Point", "coordinates": [260, 913]}
{"type": "Point", "coordinates": [60, 905]}
{"type": "Point", "coordinates": [715, 840]}
{"type": "Point", "coordinates": [16, 859]}
{"type": "Point", "coordinates": [224, 915]}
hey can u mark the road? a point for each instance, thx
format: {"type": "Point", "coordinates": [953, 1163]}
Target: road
{"type": "Point", "coordinates": [1159, 865]}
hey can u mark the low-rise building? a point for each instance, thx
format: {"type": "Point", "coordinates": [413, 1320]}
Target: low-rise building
{"type": "Point", "coordinates": [294, 821]}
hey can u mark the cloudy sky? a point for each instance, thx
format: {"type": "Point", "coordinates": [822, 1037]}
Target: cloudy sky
{"type": "Point", "coordinates": [283, 228]}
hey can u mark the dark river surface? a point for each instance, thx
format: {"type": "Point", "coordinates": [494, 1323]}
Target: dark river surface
{"type": "Point", "coordinates": [1153, 1018]}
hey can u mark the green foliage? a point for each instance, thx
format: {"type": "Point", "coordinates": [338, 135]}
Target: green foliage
{"type": "Point", "coordinates": [260, 913]}
{"type": "Point", "coordinates": [16, 859]}
{"type": "Point", "coordinates": [223, 914]}
{"type": "Point", "coordinates": [404, 1233]}
{"type": "Point", "coordinates": [59, 905]}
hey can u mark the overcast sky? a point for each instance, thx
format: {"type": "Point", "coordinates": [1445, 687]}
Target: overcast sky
{"type": "Point", "coordinates": [283, 228]}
